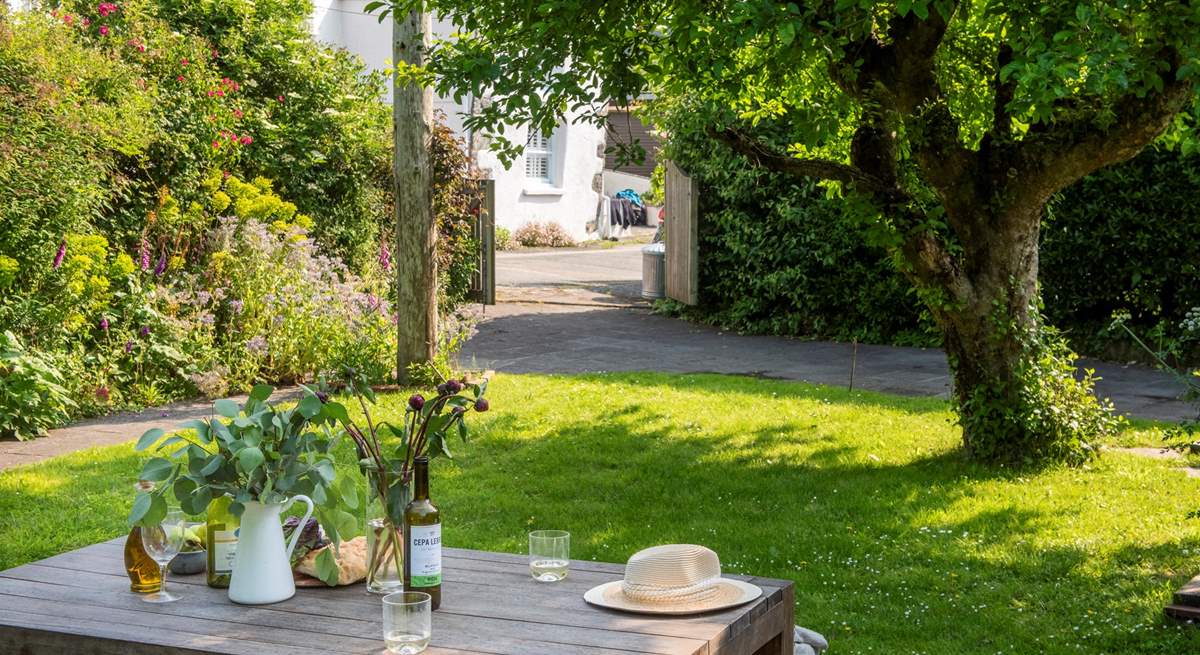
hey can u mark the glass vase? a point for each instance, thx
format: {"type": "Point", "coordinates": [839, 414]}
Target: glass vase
{"type": "Point", "coordinates": [385, 541]}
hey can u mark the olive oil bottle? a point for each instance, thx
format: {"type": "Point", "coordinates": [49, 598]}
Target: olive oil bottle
{"type": "Point", "coordinates": [145, 576]}
{"type": "Point", "coordinates": [423, 564]}
{"type": "Point", "coordinates": [220, 539]}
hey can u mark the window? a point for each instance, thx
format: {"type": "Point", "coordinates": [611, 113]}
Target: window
{"type": "Point", "coordinates": [538, 157]}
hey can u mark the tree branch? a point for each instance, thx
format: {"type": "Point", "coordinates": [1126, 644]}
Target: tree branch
{"type": "Point", "coordinates": [766, 156]}
{"type": "Point", "coordinates": [1069, 150]}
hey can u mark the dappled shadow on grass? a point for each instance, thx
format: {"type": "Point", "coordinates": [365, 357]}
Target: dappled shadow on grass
{"type": "Point", "coordinates": [927, 553]}
{"type": "Point", "coordinates": [754, 387]}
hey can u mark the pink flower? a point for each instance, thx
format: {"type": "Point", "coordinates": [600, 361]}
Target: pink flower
{"type": "Point", "coordinates": [220, 93]}
{"type": "Point", "coordinates": [237, 113]}
{"type": "Point", "coordinates": [210, 93]}
{"type": "Point", "coordinates": [184, 61]}
{"type": "Point", "coordinates": [141, 48]}
{"type": "Point", "coordinates": [385, 257]}
{"type": "Point", "coordinates": [237, 87]}
{"type": "Point", "coordinates": [103, 30]}
{"type": "Point", "coordinates": [58, 256]}
{"type": "Point", "coordinates": [179, 78]}
{"type": "Point", "coordinates": [68, 19]}
{"type": "Point", "coordinates": [215, 54]}
{"type": "Point", "coordinates": [216, 145]}
{"type": "Point", "coordinates": [87, 21]}
{"type": "Point", "coordinates": [280, 98]}
{"type": "Point", "coordinates": [144, 254]}
{"type": "Point", "coordinates": [246, 140]}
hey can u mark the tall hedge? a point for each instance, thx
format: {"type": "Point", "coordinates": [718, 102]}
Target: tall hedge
{"type": "Point", "coordinates": [1126, 241]}
{"type": "Point", "coordinates": [783, 258]}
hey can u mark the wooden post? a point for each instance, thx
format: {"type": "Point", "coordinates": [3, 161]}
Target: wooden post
{"type": "Point", "coordinates": [416, 230]}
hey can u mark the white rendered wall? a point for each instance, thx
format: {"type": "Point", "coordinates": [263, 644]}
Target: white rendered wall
{"type": "Point", "coordinates": [615, 181]}
{"type": "Point", "coordinates": [570, 200]}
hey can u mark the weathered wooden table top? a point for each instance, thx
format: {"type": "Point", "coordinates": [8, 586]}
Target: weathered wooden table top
{"type": "Point", "coordinates": [79, 602]}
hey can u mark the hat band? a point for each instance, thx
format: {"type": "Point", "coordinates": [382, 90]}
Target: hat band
{"type": "Point", "coordinates": [650, 593]}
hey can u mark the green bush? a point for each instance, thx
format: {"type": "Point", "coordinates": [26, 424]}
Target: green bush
{"type": "Point", "coordinates": [32, 396]}
{"type": "Point", "coordinates": [781, 258]}
{"type": "Point", "coordinates": [1125, 241]}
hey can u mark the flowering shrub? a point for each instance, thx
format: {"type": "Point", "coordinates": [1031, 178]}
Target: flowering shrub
{"type": "Point", "coordinates": [543, 235]}
{"type": "Point", "coordinates": [144, 253]}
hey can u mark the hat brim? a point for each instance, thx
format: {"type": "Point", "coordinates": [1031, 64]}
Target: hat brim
{"type": "Point", "coordinates": [730, 593]}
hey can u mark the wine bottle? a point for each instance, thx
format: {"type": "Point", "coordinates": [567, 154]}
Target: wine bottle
{"type": "Point", "coordinates": [145, 576]}
{"type": "Point", "coordinates": [423, 571]}
{"type": "Point", "coordinates": [220, 539]}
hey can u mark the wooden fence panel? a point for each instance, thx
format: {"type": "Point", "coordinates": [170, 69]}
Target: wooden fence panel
{"type": "Point", "coordinates": [683, 236]}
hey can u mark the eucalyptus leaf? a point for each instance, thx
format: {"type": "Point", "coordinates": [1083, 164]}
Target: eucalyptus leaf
{"type": "Point", "coordinates": [261, 392]}
{"type": "Point", "coordinates": [141, 505]}
{"type": "Point", "coordinates": [310, 406]}
{"type": "Point", "coordinates": [157, 469]}
{"type": "Point", "coordinates": [327, 568]}
{"type": "Point", "coordinates": [226, 407]}
{"type": "Point", "coordinates": [148, 438]}
{"type": "Point", "coordinates": [250, 458]}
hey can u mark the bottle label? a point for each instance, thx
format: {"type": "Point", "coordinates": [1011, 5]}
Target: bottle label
{"type": "Point", "coordinates": [224, 549]}
{"type": "Point", "coordinates": [425, 553]}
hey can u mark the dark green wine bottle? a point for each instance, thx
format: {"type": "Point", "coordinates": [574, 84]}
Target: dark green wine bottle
{"type": "Point", "coordinates": [423, 570]}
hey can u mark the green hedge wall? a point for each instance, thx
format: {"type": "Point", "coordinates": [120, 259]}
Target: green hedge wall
{"type": "Point", "coordinates": [781, 258]}
{"type": "Point", "coordinates": [784, 258]}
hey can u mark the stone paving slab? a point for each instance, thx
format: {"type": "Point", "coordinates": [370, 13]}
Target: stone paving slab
{"type": "Point", "coordinates": [114, 429]}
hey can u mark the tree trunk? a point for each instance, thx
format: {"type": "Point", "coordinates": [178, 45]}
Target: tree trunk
{"type": "Point", "coordinates": [991, 335]}
{"type": "Point", "coordinates": [416, 230]}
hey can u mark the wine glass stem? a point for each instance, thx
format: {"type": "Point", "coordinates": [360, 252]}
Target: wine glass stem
{"type": "Point", "coordinates": [162, 586]}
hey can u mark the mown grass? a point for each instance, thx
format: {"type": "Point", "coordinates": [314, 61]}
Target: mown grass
{"type": "Point", "coordinates": [895, 543]}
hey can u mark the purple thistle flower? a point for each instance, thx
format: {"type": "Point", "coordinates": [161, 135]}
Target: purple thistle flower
{"type": "Point", "coordinates": [481, 405]}
{"type": "Point", "coordinates": [129, 346]}
{"type": "Point", "coordinates": [104, 324]}
{"type": "Point", "coordinates": [58, 256]}
{"type": "Point", "coordinates": [236, 306]}
{"type": "Point", "coordinates": [145, 331]}
{"type": "Point", "coordinates": [416, 401]}
{"type": "Point", "coordinates": [144, 254]}
{"type": "Point", "coordinates": [161, 265]}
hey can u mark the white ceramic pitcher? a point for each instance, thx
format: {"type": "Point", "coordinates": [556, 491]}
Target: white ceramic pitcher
{"type": "Point", "coordinates": [262, 571]}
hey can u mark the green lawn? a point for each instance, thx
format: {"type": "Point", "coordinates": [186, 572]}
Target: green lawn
{"type": "Point", "coordinates": [896, 545]}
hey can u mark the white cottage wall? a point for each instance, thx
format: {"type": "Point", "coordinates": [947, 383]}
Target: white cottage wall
{"type": "Point", "coordinates": [572, 197]}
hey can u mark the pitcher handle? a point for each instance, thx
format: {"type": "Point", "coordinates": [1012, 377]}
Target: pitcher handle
{"type": "Point", "coordinates": [300, 528]}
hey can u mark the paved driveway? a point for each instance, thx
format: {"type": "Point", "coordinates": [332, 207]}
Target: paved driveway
{"type": "Point", "coordinates": [579, 311]}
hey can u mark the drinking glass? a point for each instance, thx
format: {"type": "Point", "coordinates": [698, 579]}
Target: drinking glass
{"type": "Point", "coordinates": [162, 543]}
{"type": "Point", "coordinates": [549, 554]}
{"type": "Point", "coordinates": [407, 622]}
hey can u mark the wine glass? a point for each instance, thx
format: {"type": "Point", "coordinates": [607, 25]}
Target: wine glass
{"type": "Point", "coordinates": [162, 543]}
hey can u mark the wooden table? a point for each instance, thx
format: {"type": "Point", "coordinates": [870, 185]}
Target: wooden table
{"type": "Point", "coordinates": [79, 602]}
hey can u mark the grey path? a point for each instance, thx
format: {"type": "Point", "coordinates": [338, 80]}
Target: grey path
{"type": "Point", "coordinates": [573, 312]}
{"type": "Point", "coordinates": [114, 429]}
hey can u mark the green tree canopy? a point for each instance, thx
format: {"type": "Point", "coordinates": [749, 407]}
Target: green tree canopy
{"type": "Point", "coordinates": [950, 124]}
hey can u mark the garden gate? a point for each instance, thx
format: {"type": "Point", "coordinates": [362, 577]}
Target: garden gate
{"type": "Point", "coordinates": [483, 207]}
{"type": "Point", "coordinates": [682, 236]}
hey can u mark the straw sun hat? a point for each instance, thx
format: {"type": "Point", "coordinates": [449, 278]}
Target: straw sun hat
{"type": "Point", "coordinates": [673, 579]}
